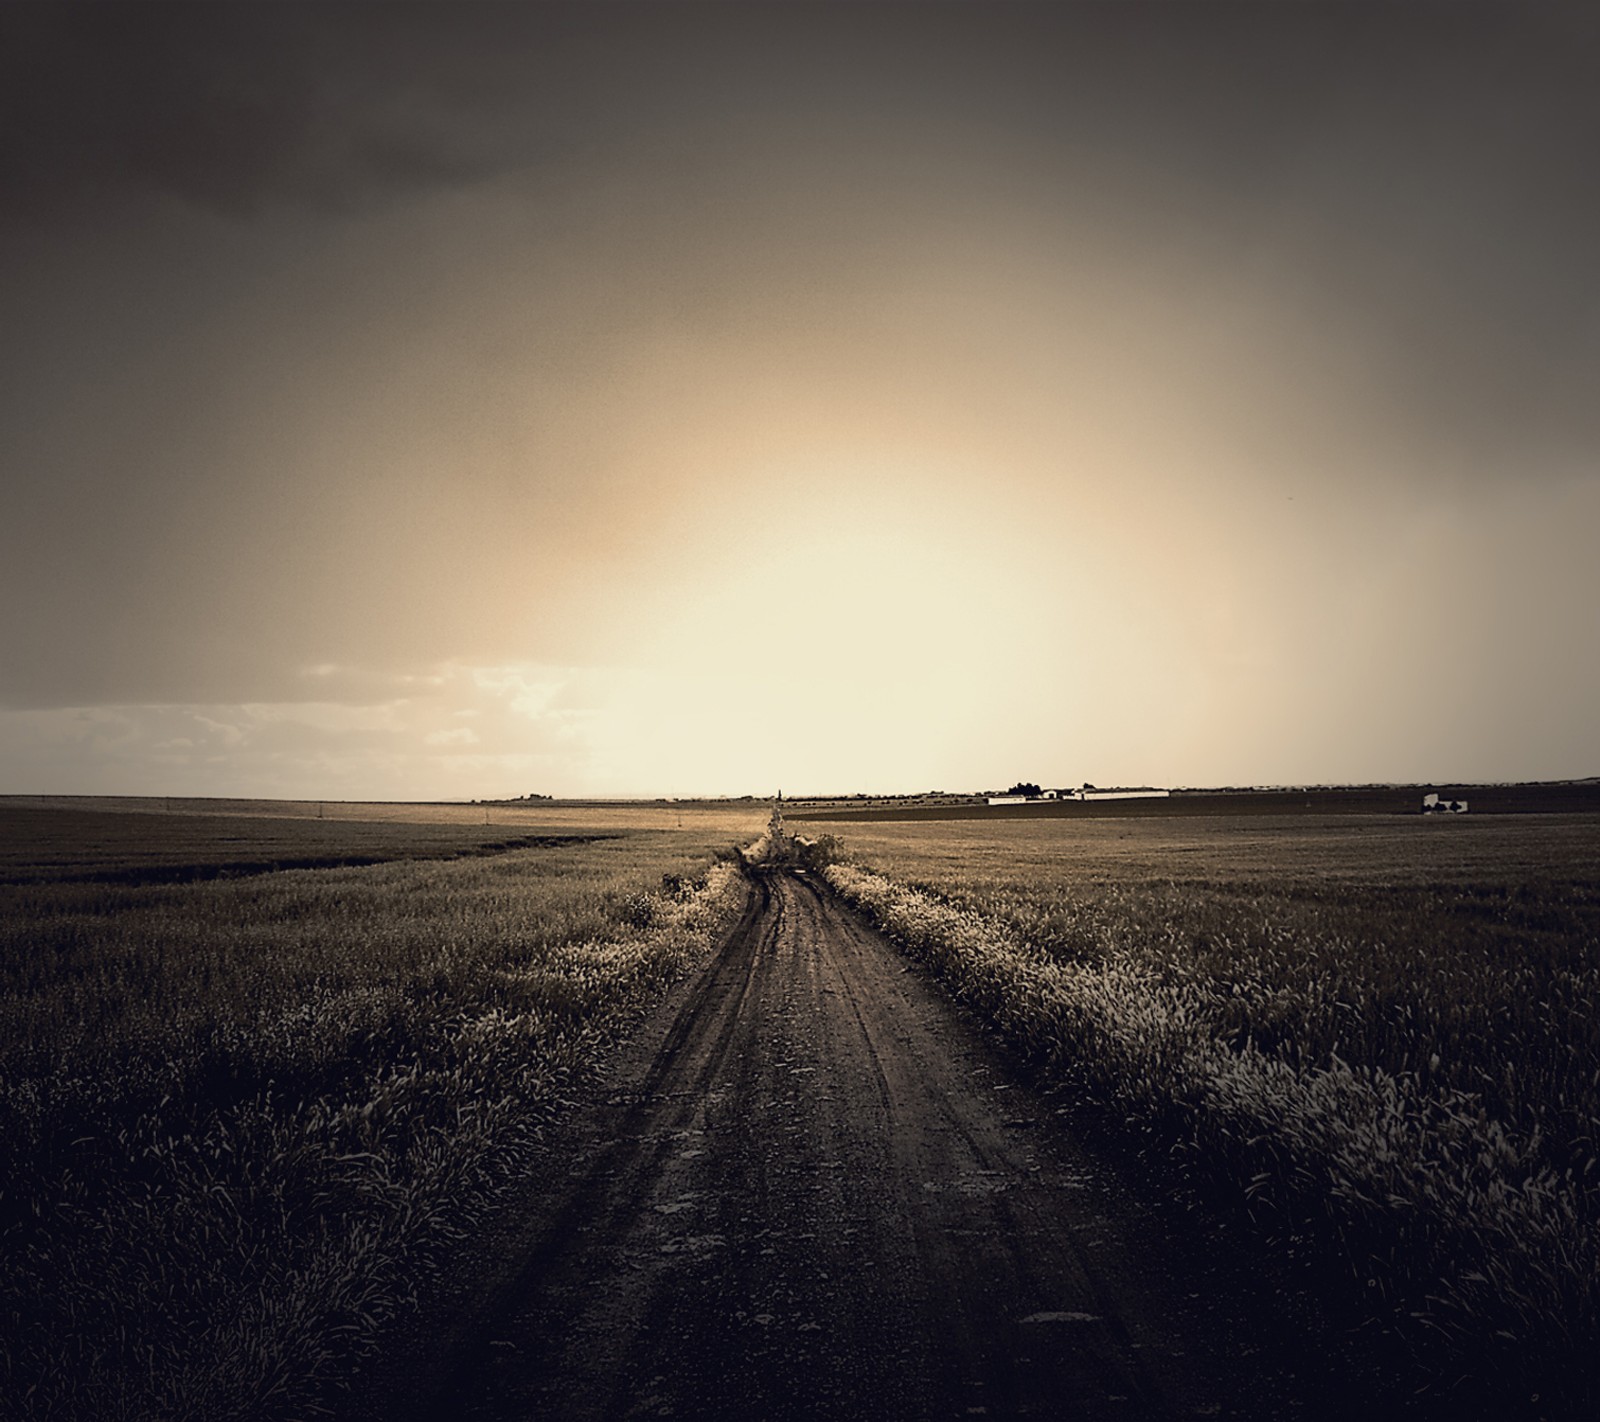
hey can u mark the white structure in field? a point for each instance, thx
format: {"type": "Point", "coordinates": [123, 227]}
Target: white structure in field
{"type": "Point", "coordinates": [1087, 793]}
{"type": "Point", "coordinates": [1433, 805]}
{"type": "Point", "coordinates": [1142, 793]}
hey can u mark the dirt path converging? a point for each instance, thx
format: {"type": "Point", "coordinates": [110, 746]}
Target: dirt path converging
{"type": "Point", "coordinates": [818, 1193]}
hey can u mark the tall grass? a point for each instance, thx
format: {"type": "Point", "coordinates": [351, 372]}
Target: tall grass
{"type": "Point", "coordinates": [241, 1118]}
{"type": "Point", "coordinates": [1384, 1037]}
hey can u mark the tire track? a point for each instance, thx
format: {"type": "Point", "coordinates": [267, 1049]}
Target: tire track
{"type": "Point", "coordinates": [817, 1192]}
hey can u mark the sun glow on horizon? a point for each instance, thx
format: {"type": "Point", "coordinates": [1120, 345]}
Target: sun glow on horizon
{"type": "Point", "coordinates": [825, 395]}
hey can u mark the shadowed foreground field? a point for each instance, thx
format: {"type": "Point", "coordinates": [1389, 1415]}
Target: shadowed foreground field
{"type": "Point", "coordinates": [249, 1111]}
{"type": "Point", "coordinates": [1379, 1036]}
{"type": "Point", "coordinates": [245, 1108]}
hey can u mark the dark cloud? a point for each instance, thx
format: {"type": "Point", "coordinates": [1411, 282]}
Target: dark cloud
{"type": "Point", "coordinates": [1428, 170]}
{"type": "Point", "coordinates": [245, 106]}
{"type": "Point", "coordinates": [242, 106]}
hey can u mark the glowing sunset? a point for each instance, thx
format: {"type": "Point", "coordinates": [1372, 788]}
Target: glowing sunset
{"type": "Point", "coordinates": [461, 401]}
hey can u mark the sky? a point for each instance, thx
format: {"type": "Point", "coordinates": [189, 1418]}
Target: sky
{"type": "Point", "coordinates": [469, 401]}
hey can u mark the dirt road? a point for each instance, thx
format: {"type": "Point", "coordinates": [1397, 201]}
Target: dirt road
{"type": "Point", "coordinates": [816, 1192]}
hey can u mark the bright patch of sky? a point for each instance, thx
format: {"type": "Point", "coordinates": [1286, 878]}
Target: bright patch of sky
{"type": "Point", "coordinates": [485, 400]}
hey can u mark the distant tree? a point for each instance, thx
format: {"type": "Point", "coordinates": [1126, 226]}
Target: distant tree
{"type": "Point", "coordinates": [1025, 787]}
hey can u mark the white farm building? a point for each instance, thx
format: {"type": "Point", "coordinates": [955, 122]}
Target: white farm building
{"type": "Point", "coordinates": [1088, 792]}
{"type": "Point", "coordinates": [1143, 793]}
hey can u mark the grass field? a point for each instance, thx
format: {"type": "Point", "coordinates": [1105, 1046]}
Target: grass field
{"type": "Point", "coordinates": [244, 1105]}
{"type": "Point", "coordinates": [1380, 1034]}
{"type": "Point", "coordinates": [110, 847]}
{"type": "Point", "coordinates": [257, 1071]}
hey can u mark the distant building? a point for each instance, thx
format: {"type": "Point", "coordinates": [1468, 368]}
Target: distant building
{"type": "Point", "coordinates": [1087, 793]}
{"type": "Point", "coordinates": [1432, 804]}
{"type": "Point", "coordinates": [1142, 792]}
